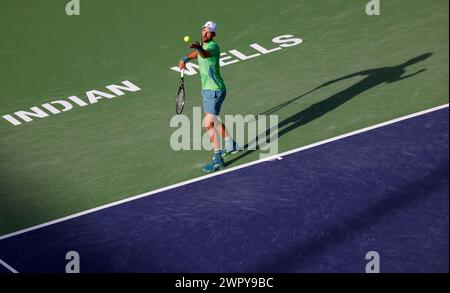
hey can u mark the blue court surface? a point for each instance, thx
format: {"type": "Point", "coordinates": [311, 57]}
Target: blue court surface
{"type": "Point", "coordinates": [317, 210]}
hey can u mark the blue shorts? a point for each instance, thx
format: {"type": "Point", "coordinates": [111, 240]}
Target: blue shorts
{"type": "Point", "coordinates": [212, 100]}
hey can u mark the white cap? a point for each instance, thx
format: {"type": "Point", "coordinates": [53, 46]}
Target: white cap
{"type": "Point", "coordinates": [211, 26]}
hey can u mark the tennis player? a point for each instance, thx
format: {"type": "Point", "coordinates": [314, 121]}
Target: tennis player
{"type": "Point", "coordinates": [213, 91]}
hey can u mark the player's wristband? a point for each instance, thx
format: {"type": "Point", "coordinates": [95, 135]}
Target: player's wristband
{"type": "Point", "coordinates": [185, 59]}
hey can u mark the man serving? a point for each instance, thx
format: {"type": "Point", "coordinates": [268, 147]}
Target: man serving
{"type": "Point", "coordinates": [213, 92]}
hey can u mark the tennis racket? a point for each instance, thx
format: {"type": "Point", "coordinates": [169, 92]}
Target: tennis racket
{"type": "Point", "coordinates": [181, 94]}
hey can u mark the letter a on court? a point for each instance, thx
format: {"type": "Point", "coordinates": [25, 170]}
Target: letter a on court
{"type": "Point", "coordinates": [373, 7]}
{"type": "Point", "coordinates": [73, 7]}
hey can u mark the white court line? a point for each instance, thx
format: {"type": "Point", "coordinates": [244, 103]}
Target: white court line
{"type": "Point", "coordinates": [221, 172]}
{"type": "Point", "coordinates": [8, 267]}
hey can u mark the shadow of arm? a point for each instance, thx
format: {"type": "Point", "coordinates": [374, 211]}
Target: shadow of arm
{"type": "Point", "coordinates": [344, 77]}
{"type": "Point", "coordinates": [412, 74]}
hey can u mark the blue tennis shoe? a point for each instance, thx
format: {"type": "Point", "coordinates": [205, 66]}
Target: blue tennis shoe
{"type": "Point", "coordinates": [216, 164]}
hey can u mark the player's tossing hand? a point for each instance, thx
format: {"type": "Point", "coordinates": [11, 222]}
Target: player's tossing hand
{"type": "Point", "coordinates": [195, 45]}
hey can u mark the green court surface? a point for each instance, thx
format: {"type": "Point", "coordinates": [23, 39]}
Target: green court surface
{"type": "Point", "coordinates": [117, 148]}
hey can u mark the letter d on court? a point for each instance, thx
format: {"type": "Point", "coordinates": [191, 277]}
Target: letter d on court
{"type": "Point", "coordinates": [73, 266]}
{"type": "Point", "coordinates": [373, 7]}
{"type": "Point", "coordinates": [73, 7]}
{"type": "Point", "coordinates": [373, 266]}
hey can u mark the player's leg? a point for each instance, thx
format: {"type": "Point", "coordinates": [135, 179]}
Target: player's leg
{"type": "Point", "coordinates": [217, 163]}
{"type": "Point", "coordinates": [220, 127]}
{"type": "Point", "coordinates": [231, 147]}
{"type": "Point", "coordinates": [209, 122]}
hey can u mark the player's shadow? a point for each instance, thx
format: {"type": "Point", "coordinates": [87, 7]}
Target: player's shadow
{"type": "Point", "coordinates": [374, 77]}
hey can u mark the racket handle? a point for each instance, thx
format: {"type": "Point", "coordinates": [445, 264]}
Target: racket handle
{"type": "Point", "coordinates": [182, 72]}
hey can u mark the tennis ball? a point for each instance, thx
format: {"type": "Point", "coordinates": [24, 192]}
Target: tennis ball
{"type": "Point", "coordinates": [186, 39]}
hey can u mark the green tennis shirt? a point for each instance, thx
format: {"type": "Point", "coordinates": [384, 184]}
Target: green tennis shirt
{"type": "Point", "coordinates": [210, 69]}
